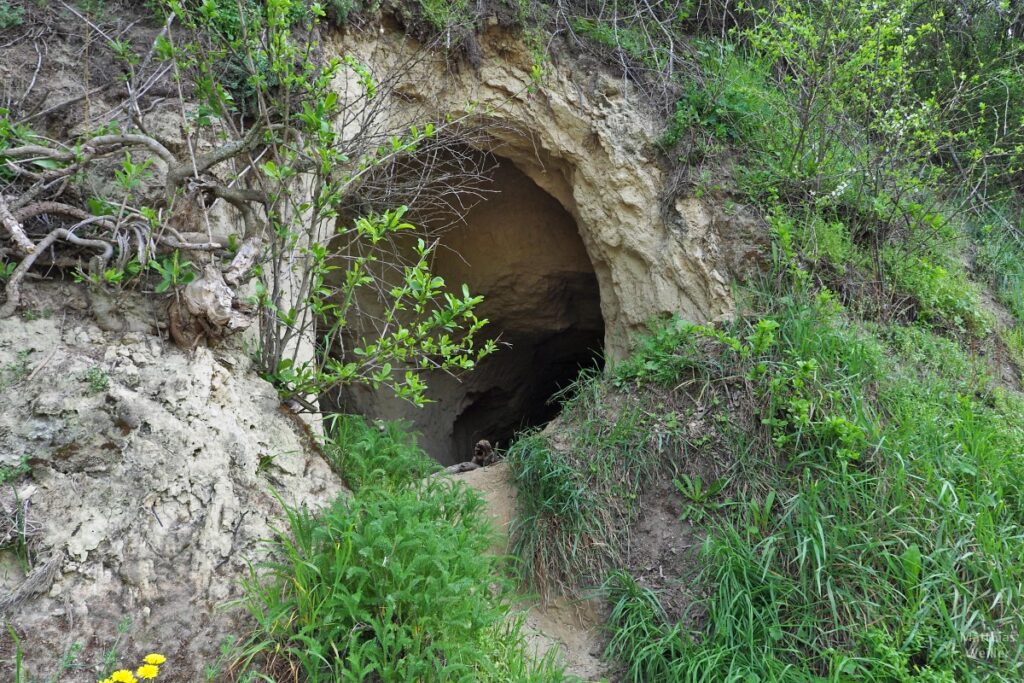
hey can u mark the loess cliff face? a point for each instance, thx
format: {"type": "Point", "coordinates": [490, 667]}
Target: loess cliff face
{"type": "Point", "coordinates": [153, 483]}
{"type": "Point", "coordinates": [575, 242]}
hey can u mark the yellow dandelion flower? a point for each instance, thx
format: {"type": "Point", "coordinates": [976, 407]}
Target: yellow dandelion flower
{"type": "Point", "coordinates": [123, 676]}
{"type": "Point", "coordinates": [154, 659]}
{"type": "Point", "coordinates": [147, 671]}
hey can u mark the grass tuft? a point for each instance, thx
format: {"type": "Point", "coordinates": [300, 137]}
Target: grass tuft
{"type": "Point", "coordinates": [378, 453]}
{"type": "Point", "coordinates": [578, 485]}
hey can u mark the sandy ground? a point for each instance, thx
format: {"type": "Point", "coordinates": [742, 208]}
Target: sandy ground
{"type": "Point", "coordinates": [573, 626]}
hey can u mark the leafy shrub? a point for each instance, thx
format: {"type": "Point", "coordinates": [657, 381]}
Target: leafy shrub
{"type": "Point", "coordinates": [338, 11]}
{"type": "Point", "coordinates": [631, 40]}
{"type": "Point", "coordinates": [942, 295]}
{"type": "Point", "coordinates": [822, 239]}
{"type": "Point", "coordinates": [11, 15]}
{"type": "Point", "coordinates": [733, 101]}
{"type": "Point", "coordinates": [446, 14]}
{"type": "Point", "coordinates": [663, 356]}
{"type": "Point", "coordinates": [392, 585]}
{"type": "Point", "coordinates": [379, 454]}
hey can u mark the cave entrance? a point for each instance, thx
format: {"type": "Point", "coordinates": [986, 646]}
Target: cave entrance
{"type": "Point", "coordinates": [522, 251]}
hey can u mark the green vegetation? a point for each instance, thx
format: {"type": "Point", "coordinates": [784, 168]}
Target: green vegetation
{"type": "Point", "coordinates": [380, 454]}
{"type": "Point", "coordinates": [18, 370]}
{"type": "Point", "coordinates": [173, 272]}
{"type": "Point", "coordinates": [9, 473]}
{"type": "Point", "coordinates": [892, 549]}
{"type": "Point", "coordinates": [11, 15]}
{"type": "Point", "coordinates": [858, 129]}
{"type": "Point", "coordinates": [1000, 262]}
{"type": "Point", "coordinates": [867, 524]}
{"type": "Point", "coordinates": [640, 634]}
{"type": "Point", "coordinates": [865, 519]}
{"type": "Point", "coordinates": [394, 583]}
{"type": "Point", "coordinates": [97, 379]}
{"type": "Point", "coordinates": [339, 11]}
{"type": "Point", "coordinates": [442, 15]}
{"type": "Point", "coordinates": [578, 490]}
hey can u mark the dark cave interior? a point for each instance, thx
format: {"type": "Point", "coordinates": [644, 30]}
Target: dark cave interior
{"type": "Point", "coordinates": [522, 251]}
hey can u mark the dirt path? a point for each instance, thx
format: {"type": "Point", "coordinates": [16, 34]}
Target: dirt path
{"type": "Point", "coordinates": [574, 627]}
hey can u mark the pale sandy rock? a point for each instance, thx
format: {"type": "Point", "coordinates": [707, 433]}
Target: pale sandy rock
{"type": "Point", "coordinates": [599, 212]}
{"type": "Point", "coordinates": [151, 492]}
{"type": "Point", "coordinates": [588, 141]}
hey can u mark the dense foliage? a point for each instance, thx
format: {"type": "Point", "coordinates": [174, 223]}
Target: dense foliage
{"type": "Point", "coordinates": [874, 531]}
{"type": "Point", "coordinates": [394, 583]}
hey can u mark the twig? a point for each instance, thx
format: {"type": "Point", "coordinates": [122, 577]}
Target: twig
{"type": "Point", "coordinates": [39, 208]}
{"type": "Point", "coordinates": [63, 104]}
{"type": "Point", "coordinates": [35, 74]}
{"type": "Point", "coordinates": [86, 20]}
{"type": "Point", "coordinates": [14, 228]}
{"type": "Point", "coordinates": [39, 367]}
{"type": "Point", "coordinates": [14, 284]}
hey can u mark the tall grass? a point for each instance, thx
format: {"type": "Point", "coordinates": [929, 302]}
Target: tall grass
{"type": "Point", "coordinates": [579, 485]}
{"type": "Point", "coordinates": [999, 235]}
{"type": "Point", "coordinates": [378, 453]}
{"type": "Point", "coordinates": [893, 547]}
{"type": "Point", "coordinates": [640, 632]}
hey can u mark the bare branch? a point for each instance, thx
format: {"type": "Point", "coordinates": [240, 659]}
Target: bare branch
{"type": "Point", "coordinates": [61, 209]}
{"type": "Point", "coordinates": [177, 174]}
{"type": "Point", "coordinates": [13, 288]}
{"type": "Point", "coordinates": [65, 103]}
{"type": "Point", "coordinates": [14, 228]}
{"type": "Point", "coordinates": [128, 139]}
{"type": "Point", "coordinates": [38, 151]}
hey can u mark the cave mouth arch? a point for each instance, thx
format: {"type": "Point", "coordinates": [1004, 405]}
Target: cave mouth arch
{"type": "Point", "coordinates": [522, 250]}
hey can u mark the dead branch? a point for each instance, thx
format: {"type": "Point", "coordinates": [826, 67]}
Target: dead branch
{"type": "Point", "coordinates": [14, 228]}
{"type": "Point", "coordinates": [66, 103]}
{"type": "Point", "coordinates": [13, 289]}
{"type": "Point", "coordinates": [134, 140]}
{"type": "Point", "coordinates": [38, 151]}
{"type": "Point", "coordinates": [61, 209]}
{"type": "Point", "coordinates": [99, 144]}
{"type": "Point", "coordinates": [190, 246]}
{"type": "Point", "coordinates": [178, 172]}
